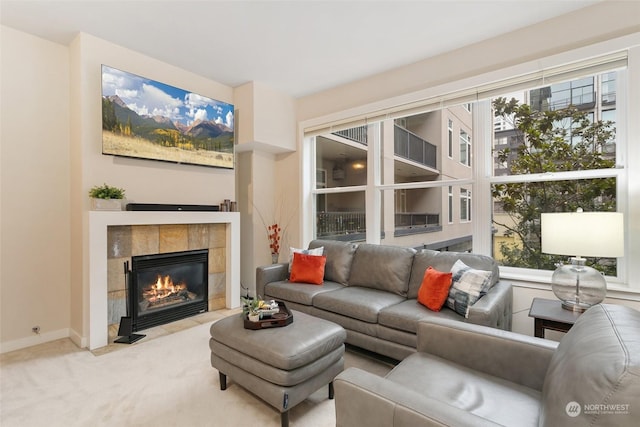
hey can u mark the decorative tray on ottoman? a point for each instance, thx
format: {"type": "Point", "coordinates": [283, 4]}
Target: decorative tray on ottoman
{"type": "Point", "coordinates": [282, 317]}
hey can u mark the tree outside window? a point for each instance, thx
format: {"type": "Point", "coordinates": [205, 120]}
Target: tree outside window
{"type": "Point", "coordinates": [543, 141]}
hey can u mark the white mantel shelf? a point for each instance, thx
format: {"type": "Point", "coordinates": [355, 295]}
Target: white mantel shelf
{"type": "Point", "coordinates": [98, 223]}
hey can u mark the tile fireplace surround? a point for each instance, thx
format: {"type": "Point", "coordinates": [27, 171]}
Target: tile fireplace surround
{"type": "Point", "coordinates": [100, 221]}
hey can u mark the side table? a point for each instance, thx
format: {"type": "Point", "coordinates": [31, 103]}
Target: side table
{"type": "Point", "coordinates": [549, 314]}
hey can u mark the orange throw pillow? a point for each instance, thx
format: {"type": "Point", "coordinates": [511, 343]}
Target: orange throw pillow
{"type": "Point", "coordinates": [308, 268]}
{"type": "Point", "coordinates": [434, 289]}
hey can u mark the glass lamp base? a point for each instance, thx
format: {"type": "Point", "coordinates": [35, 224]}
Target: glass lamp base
{"type": "Point", "coordinates": [578, 307]}
{"type": "Point", "coordinates": [578, 286]}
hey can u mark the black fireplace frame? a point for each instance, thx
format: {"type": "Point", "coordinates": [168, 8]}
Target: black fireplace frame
{"type": "Point", "coordinates": [169, 314]}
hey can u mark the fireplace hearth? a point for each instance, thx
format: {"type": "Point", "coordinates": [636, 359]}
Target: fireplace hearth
{"type": "Point", "coordinates": [167, 287]}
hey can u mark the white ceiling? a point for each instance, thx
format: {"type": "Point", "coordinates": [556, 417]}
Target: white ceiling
{"type": "Point", "coordinates": [298, 47]}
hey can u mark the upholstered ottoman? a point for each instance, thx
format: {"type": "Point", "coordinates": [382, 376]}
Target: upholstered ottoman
{"type": "Point", "coordinates": [282, 366]}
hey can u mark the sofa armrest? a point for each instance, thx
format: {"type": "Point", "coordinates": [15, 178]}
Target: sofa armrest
{"type": "Point", "coordinates": [365, 399]}
{"type": "Point", "coordinates": [508, 355]}
{"type": "Point", "coordinates": [270, 273]}
{"type": "Point", "coordinates": [495, 308]}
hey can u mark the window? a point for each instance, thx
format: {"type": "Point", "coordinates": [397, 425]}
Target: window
{"type": "Point", "coordinates": [450, 197]}
{"type": "Point", "coordinates": [450, 137]}
{"type": "Point", "coordinates": [608, 89]}
{"type": "Point", "coordinates": [341, 172]}
{"type": "Point", "coordinates": [562, 131]}
{"type": "Point", "coordinates": [415, 191]}
{"type": "Point", "coordinates": [465, 205]}
{"type": "Point", "coordinates": [465, 148]}
{"type": "Point", "coordinates": [572, 154]}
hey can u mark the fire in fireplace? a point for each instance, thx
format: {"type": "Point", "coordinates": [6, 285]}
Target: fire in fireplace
{"type": "Point", "coordinates": [167, 287]}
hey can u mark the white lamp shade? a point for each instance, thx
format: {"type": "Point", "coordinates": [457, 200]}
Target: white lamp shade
{"type": "Point", "coordinates": [584, 234]}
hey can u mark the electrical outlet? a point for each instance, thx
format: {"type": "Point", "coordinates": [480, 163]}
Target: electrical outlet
{"type": "Point", "coordinates": [35, 329]}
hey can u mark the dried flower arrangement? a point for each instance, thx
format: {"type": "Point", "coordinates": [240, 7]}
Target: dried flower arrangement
{"type": "Point", "coordinates": [273, 232]}
{"type": "Point", "coordinates": [276, 230]}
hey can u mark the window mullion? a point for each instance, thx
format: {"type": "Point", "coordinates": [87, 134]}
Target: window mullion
{"type": "Point", "coordinates": [482, 171]}
{"type": "Point", "coordinates": [373, 197]}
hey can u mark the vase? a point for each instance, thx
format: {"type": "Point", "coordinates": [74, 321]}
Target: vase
{"type": "Point", "coordinates": [106, 204]}
{"type": "Point", "coordinates": [254, 317]}
{"type": "Point", "coordinates": [274, 258]}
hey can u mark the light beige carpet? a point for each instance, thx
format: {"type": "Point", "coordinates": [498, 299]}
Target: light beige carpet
{"type": "Point", "coordinates": [164, 381]}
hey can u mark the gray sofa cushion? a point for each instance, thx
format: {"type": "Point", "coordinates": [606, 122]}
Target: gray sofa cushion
{"type": "Point", "coordinates": [300, 293]}
{"type": "Point", "coordinates": [488, 397]}
{"type": "Point", "coordinates": [339, 258]}
{"type": "Point", "coordinates": [443, 261]}
{"type": "Point", "coordinates": [382, 267]}
{"type": "Point", "coordinates": [356, 302]}
{"type": "Point", "coordinates": [597, 363]}
{"type": "Point", "coordinates": [406, 315]}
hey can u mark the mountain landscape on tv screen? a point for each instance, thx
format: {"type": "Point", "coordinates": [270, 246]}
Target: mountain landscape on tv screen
{"type": "Point", "coordinates": [147, 119]}
{"type": "Point", "coordinates": [165, 139]}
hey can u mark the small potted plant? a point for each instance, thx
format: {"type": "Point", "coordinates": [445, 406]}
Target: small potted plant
{"type": "Point", "coordinates": [106, 198]}
{"type": "Point", "coordinates": [251, 308]}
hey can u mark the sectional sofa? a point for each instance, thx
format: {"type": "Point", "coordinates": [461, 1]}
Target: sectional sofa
{"type": "Point", "coordinates": [371, 291]}
{"type": "Point", "coordinates": [469, 375]}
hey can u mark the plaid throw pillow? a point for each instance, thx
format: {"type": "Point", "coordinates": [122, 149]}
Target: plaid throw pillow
{"type": "Point", "coordinates": [468, 285]}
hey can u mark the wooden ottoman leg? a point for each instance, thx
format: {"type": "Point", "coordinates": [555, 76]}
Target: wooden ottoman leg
{"type": "Point", "coordinates": [284, 419]}
{"type": "Point", "coordinates": [223, 381]}
{"type": "Point", "coordinates": [331, 390]}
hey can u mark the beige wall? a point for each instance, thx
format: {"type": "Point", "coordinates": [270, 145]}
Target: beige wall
{"type": "Point", "coordinates": [34, 180]}
{"type": "Point", "coordinates": [600, 22]}
{"type": "Point", "coordinates": [145, 181]}
{"type": "Point", "coordinates": [51, 156]}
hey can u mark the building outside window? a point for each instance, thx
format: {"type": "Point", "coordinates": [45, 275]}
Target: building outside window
{"type": "Point", "coordinates": [340, 210]}
{"type": "Point", "coordinates": [416, 149]}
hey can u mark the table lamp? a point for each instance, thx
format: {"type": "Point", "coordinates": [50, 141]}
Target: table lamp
{"type": "Point", "coordinates": [581, 234]}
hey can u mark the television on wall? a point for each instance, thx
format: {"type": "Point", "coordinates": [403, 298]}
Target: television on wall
{"type": "Point", "coordinates": [146, 119]}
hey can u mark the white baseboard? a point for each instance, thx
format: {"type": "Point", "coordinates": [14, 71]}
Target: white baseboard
{"type": "Point", "coordinates": [78, 339]}
{"type": "Point", "coordinates": [36, 339]}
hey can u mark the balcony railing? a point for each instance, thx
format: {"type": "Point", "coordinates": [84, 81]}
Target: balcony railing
{"type": "Point", "coordinates": [333, 224]}
{"type": "Point", "coordinates": [417, 220]}
{"type": "Point", "coordinates": [352, 225]}
{"type": "Point", "coordinates": [357, 134]}
{"type": "Point", "coordinates": [406, 144]}
{"type": "Point", "coordinates": [411, 147]}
